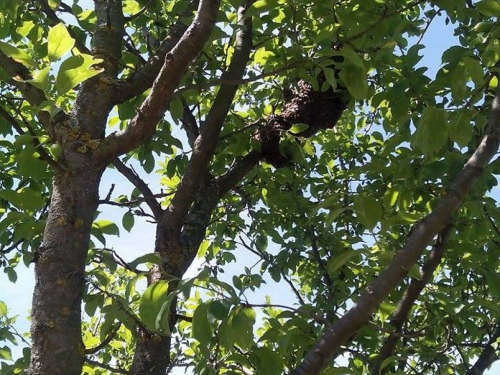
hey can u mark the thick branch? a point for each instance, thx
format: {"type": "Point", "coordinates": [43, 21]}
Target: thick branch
{"type": "Point", "coordinates": [108, 35]}
{"type": "Point", "coordinates": [96, 95]}
{"type": "Point", "coordinates": [331, 341]}
{"type": "Point", "coordinates": [143, 125]}
{"type": "Point", "coordinates": [412, 293]}
{"type": "Point", "coordinates": [206, 142]}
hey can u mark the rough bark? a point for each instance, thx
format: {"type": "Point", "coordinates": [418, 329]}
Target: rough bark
{"type": "Point", "coordinates": [182, 226]}
{"type": "Point", "coordinates": [60, 261]}
{"type": "Point", "coordinates": [422, 233]}
{"type": "Point", "coordinates": [175, 64]}
{"type": "Point", "coordinates": [59, 268]}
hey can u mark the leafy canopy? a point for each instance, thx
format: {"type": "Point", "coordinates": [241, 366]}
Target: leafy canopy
{"type": "Point", "coordinates": [322, 225]}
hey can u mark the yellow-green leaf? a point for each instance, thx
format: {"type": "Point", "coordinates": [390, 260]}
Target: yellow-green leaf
{"type": "Point", "coordinates": [17, 54]}
{"type": "Point", "coordinates": [59, 42]}
{"type": "Point", "coordinates": [151, 303]}
{"type": "Point", "coordinates": [74, 71]}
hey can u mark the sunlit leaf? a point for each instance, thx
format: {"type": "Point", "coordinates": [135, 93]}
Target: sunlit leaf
{"type": "Point", "coordinates": [59, 42]}
{"type": "Point", "coordinates": [74, 71]}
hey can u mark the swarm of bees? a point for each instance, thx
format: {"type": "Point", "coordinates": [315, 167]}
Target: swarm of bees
{"type": "Point", "coordinates": [303, 105]}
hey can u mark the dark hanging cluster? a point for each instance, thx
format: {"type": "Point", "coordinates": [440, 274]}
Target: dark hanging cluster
{"type": "Point", "coordinates": [319, 110]}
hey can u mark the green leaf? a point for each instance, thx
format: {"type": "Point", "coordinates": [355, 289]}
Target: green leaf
{"type": "Point", "coordinates": [415, 273]}
{"type": "Point", "coordinates": [202, 329]}
{"type": "Point", "coordinates": [59, 42]}
{"type": "Point", "coordinates": [386, 362]}
{"type": "Point", "coordinates": [41, 79]}
{"type": "Point", "coordinates": [431, 134]}
{"type": "Point", "coordinates": [354, 78]}
{"type": "Point", "coordinates": [490, 8]}
{"type": "Point", "coordinates": [3, 308]}
{"type": "Point", "coordinates": [130, 288]}
{"type": "Point", "coordinates": [23, 139]}
{"type": "Point", "coordinates": [176, 108]}
{"type": "Point", "coordinates": [5, 353]}
{"type": "Point", "coordinates": [74, 71]}
{"type": "Point", "coordinates": [151, 303]}
{"type": "Point", "coordinates": [353, 57]}
{"type": "Point", "coordinates": [128, 221]}
{"type": "Point", "coordinates": [17, 54]}
{"type": "Point", "coordinates": [368, 210]}
{"type": "Point", "coordinates": [30, 165]}
{"type": "Point", "coordinates": [460, 128]}
{"type": "Point", "coordinates": [298, 128]}
{"type": "Point", "coordinates": [261, 242]}
{"type": "Point", "coordinates": [106, 227]}
{"type": "Point", "coordinates": [261, 6]}
{"type": "Point", "coordinates": [475, 70]}
{"type": "Point", "coordinates": [54, 4]}
{"type": "Point", "coordinates": [242, 323]}
{"type": "Point", "coordinates": [25, 199]}
{"type": "Point", "coordinates": [330, 77]}
{"type": "Point", "coordinates": [218, 309]}
{"type": "Point", "coordinates": [146, 258]}
{"type": "Point", "coordinates": [203, 249]}
{"type": "Point", "coordinates": [339, 260]}
{"type": "Point", "coordinates": [459, 83]}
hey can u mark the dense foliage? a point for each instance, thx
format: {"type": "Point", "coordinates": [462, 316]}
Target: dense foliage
{"type": "Point", "coordinates": [307, 134]}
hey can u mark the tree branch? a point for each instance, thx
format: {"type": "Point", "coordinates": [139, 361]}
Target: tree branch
{"type": "Point", "coordinates": [134, 178]}
{"type": "Point", "coordinates": [144, 77]}
{"type": "Point", "coordinates": [104, 342]}
{"type": "Point", "coordinates": [206, 142]}
{"type": "Point", "coordinates": [143, 125]}
{"type": "Point", "coordinates": [241, 167]}
{"type": "Point", "coordinates": [106, 366]}
{"type": "Point", "coordinates": [487, 356]}
{"type": "Point", "coordinates": [108, 35]}
{"type": "Point", "coordinates": [422, 232]}
{"type": "Point", "coordinates": [412, 293]}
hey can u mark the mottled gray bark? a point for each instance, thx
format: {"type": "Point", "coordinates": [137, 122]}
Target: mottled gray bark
{"type": "Point", "coordinates": [60, 274]}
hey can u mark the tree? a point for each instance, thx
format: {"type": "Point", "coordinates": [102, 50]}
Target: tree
{"type": "Point", "coordinates": [313, 139]}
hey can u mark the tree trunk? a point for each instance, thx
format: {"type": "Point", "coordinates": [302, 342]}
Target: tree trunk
{"type": "Point", "coordinates": [60, 274]}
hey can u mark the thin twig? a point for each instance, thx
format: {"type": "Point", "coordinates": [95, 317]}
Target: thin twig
{"type": "Point", "coordinates": [105, 366]}
{"type": "Point", "coordinates": [104, 342]}
{"type": "Point", "coordinates": [134, 178]}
